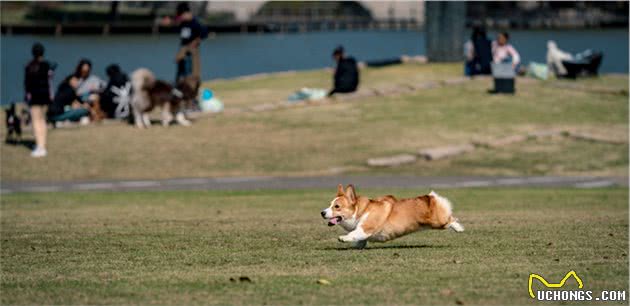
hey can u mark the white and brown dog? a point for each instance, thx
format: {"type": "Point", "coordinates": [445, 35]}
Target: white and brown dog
{"type": "Point", "coordinates": [386, 218]}
{"type": "Point", "coordinates": [149, 93]}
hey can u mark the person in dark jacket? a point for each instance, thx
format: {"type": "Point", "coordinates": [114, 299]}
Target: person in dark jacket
{"type": "Point", "coordinates": [478, 52]}
{"type": "Point", "coordinates": [188, 59]}
{"type": "Point", "coordinates": [191, 33]}
{"type": "Point", "coordinates": [37, 86]}
{"type": "Point", "coordinates": [346, 73]}
{"type": "Point", "coordinates": [67, 105]}
{"type": "Point", "coordinates": [117, 94]}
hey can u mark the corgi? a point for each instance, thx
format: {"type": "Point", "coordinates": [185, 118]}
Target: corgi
{"type": "Point", "coordinates": [386, 218]}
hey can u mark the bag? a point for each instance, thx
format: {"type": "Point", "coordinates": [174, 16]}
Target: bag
{"type": "Point", "coordinates": [307, 94]}
{"type": "Point", "coordinates": [209, 103]}
{"type": "Point", "coordinates": [538, 70]}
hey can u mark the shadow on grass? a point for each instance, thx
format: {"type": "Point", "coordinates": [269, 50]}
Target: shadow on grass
{"type": "Point", "coordinates": [384, 247]}
{"type": "Point", "coordinates": [156, 122]}
{"type": "Point", "coordinates": [27, 143]}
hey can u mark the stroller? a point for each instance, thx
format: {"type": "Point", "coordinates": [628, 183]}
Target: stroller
{"type": "Point", "coordinates": [583, 64]}
{"type": "Point", "coordinates": [566, 65]}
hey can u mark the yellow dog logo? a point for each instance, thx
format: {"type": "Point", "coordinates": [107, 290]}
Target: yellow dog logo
{"type": "Point", "coordinates": [548, 285]}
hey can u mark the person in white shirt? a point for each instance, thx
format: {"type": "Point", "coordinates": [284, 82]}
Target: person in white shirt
{"type": "Point", "coordinates": [504, 52]}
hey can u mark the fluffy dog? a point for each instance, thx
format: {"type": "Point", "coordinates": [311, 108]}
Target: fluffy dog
{"type": "Point", "coordinates": [149, 93]}
{"type": "Point", "coordinates": [386, 218]}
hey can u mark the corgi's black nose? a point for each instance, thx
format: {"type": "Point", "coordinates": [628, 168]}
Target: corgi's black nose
{"type": "Point", "coordinates": [323, 214]}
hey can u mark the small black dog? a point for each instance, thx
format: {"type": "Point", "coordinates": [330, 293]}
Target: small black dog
{"type": "Point", "coordinates": [14, 125]}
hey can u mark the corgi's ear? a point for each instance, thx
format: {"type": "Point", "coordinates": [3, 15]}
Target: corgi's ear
{"type": "Point", "coordinates": [339, 190]}
{"type": "Point", "coordinates": [350, 193]}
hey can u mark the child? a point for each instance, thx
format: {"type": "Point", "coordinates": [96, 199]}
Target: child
{"type": "Point", "coordinates": [504, 52]}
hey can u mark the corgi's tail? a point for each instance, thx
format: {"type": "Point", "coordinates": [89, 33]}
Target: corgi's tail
{"type": "Point", "coordinates": [447, 207]}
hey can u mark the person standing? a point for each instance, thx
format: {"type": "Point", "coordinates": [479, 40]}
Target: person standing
{"type": "Point", "coordinates": [38, 94]}
{"type": "Point", "coordinates": [191, 32]}
{"type": "Point", "coordinates": [504, 52]}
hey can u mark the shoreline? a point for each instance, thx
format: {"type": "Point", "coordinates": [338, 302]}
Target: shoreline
{"type": "Point", "coordinates": [256, 76]}
{"type": "Point", "coordinates": [57, 30]}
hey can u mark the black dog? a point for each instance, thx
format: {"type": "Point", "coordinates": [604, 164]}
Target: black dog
{"type": "Point", "coordinates": [14, 125]}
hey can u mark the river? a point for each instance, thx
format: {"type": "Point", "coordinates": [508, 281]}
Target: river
{"type": "Point", "coordinates": [231, 55]}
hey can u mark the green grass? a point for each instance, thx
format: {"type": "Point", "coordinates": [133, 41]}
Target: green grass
{"type": "Point", "coordinates": [320, 140]}
{"type": "Point", "coordinates": [183, 248]}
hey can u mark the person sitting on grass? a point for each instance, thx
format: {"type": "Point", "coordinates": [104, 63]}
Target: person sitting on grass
{"type": "Point", "coordinates": [89, 88]}
{"type": "Point", "coordinates": [67, 105]}
{"type": "Point", "coordinates": [346, 77]}
{"type": "Point", "coordinates": [478, 53]}
{"type": "Point", "coordinates": [116, 97]}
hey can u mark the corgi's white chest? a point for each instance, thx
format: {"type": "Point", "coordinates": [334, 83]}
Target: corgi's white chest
{"type": "Point", "coordinates": [349, 224]}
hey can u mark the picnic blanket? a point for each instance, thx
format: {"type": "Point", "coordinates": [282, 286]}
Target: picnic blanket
{"type": "Point", "coordinates": [307, 94]}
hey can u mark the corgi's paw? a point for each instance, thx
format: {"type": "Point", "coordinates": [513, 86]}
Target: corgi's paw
{"type": "Point", "coordinates": [344, 238]}
{"type": "Point", "coordinates": [181, 119]}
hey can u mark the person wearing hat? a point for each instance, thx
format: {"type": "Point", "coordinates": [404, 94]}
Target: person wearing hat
{"type": "Point", "coordinates": [191, 33]}
{"type": "Point", "coordinates": [346, 77]}
{"type": "Point", "coordinates": [38, 94]}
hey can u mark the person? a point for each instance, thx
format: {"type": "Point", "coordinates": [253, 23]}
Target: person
{"type": "Point", "coordinates": [555, 56]}
{"type": "Point", "coordinates": [88, 89]}
{"type": "Point", "coordinates": [37, 86]}
{"type": "Point", "coordinates": [504, 52]}
{"type": "Point", "coordinates": [346, 78]}
{"type": "Point", "coordinates": [478, 53]}
{"type": "Point", "coordinates": [191, 33]}
{"type": "Point", "coordinates": [66, 106]}
{"type": "Point", "coordinates": [115, 98]}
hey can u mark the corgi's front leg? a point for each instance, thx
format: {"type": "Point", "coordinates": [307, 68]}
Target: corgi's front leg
{"type": "Point", "coordinates": [357, 235]}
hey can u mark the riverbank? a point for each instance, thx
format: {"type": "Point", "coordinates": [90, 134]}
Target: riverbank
{"type": "Point", "coordinates": [233, 55]}
{"type": "Point", "coordinates": [222, 56]}
{"type": "Point", "coordinates": [339, 137]}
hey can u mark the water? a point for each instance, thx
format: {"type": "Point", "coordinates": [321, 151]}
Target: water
{"type": "Point", "coordinates": [235, 55]}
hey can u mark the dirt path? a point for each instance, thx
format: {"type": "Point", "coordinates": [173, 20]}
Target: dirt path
{"type": "Point", "coordinates": [254, 183]}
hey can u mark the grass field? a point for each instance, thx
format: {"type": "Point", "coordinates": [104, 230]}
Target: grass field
{"type": "Point", "coordinates": [325, 139]}
{"type": "Point", "coordinates": [184, 247]}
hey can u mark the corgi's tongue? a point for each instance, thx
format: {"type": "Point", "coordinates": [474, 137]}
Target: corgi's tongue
{"type": "Point", "coordinates": [333, 221]}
